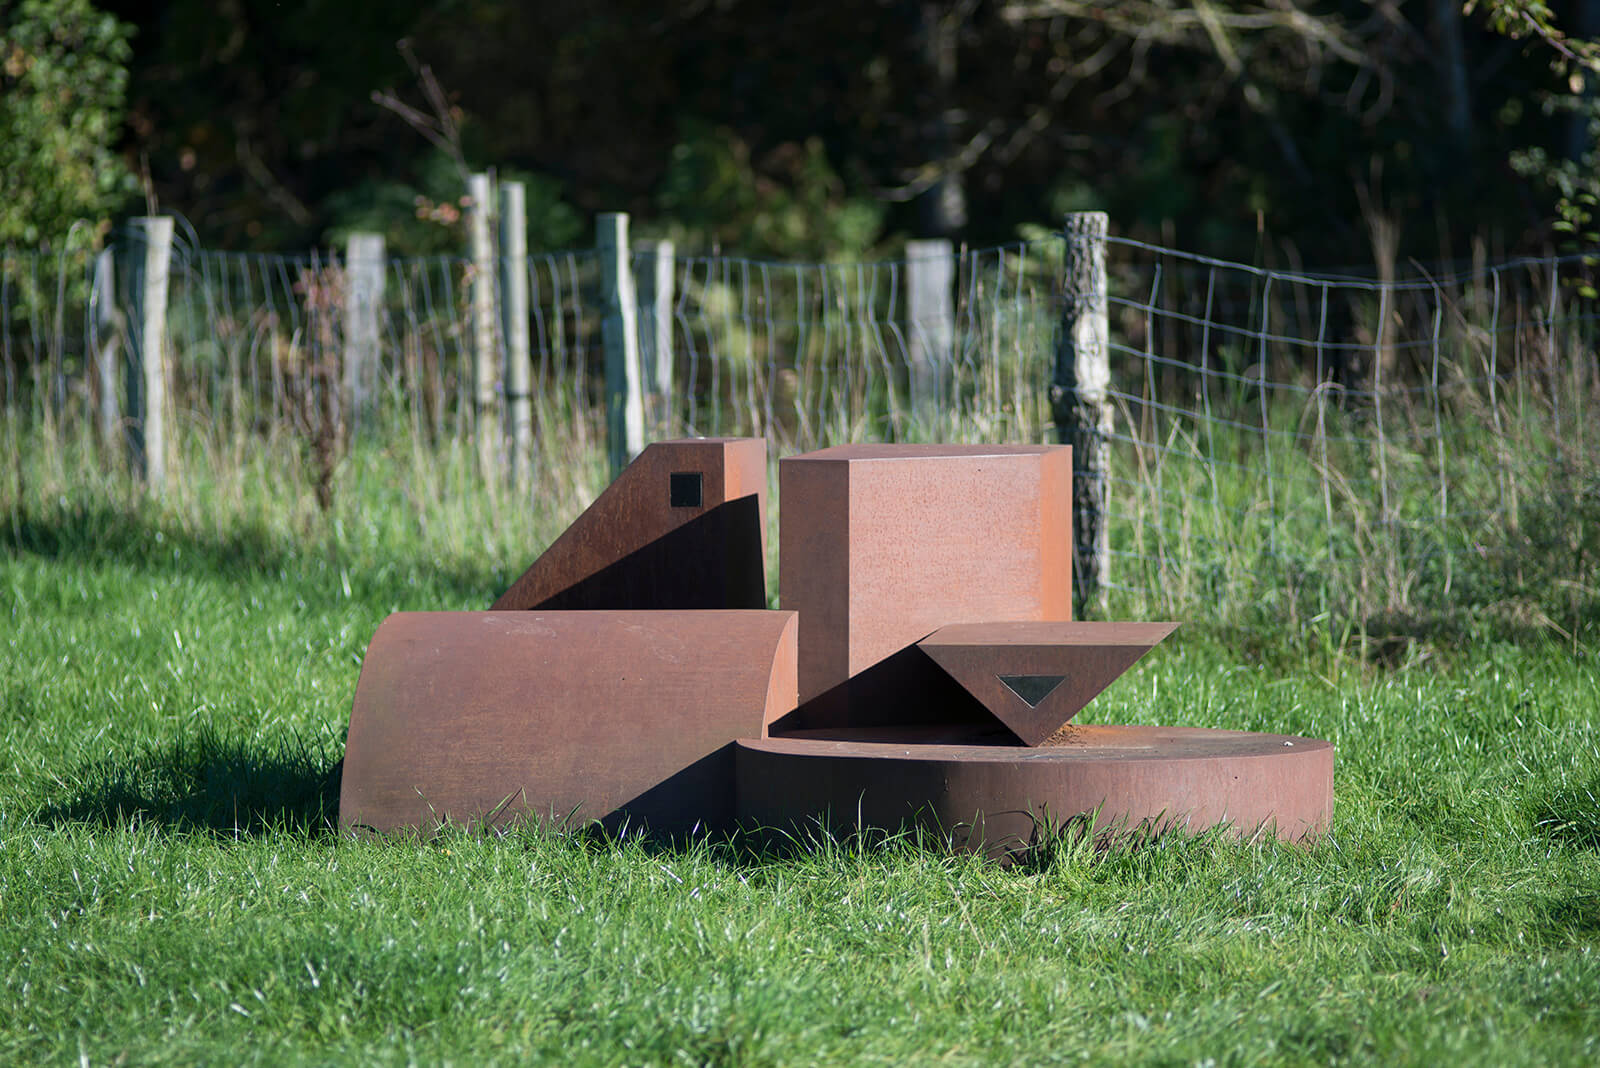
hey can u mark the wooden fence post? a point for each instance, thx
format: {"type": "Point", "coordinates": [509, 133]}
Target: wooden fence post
{"type": "Point", "coordinates": [655, 336]}
{"type": "Point", "coordinates": [514, 326]}
{"type": "Point", "coordinates": [485, 355]}
{"type": "Point", "coordinates": [149, 259]}
{"type": "Point", "coordinates": [620, 331]}
{"type": "Point", "coordinates": [1081, 403]}
{"type": "Point", "coordinates": [107, 324]}
{"type": "Point", "coordinates": [930, 274]}
{"type": "Point", "coordinates": [365, 261]}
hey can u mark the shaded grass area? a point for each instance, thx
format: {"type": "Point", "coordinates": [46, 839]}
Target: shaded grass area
{"type": "Point", "coordinates": [208, 783]}
{"type": "Point", "coordinates": [143, 540]}
{"type": "Point", "coordinates": [174, 687]}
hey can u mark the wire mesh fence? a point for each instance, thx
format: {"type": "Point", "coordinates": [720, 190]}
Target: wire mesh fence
{"type": "Point", "coordinates": [818, 354]}
{"type": "Point", "coordinates": [1348, 447]}
{"type": "Point", "coordinates": [1315, 446]}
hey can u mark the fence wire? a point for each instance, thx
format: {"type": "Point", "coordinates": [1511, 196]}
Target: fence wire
{"type": "Point", "coordinates": [812, 355]}
{"type": "Point", "coordinates": [1304, 442]}
{"type": "Point", "coordinates": [1318, 443]}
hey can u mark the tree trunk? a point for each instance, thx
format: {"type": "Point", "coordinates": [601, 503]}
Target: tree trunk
{"type": "Point", "coordinates": [942, 210]}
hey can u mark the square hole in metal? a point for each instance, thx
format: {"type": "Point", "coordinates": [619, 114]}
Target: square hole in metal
{"type": "Point", "coordinates": [686, 489]}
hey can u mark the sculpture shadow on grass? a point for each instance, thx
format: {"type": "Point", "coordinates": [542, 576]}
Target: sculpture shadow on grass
{"type": "Point", "coordinates": [208, 783]}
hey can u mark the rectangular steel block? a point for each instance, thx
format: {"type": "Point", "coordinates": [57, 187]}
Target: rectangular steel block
{"type": "Point", "coordinates": [883, 544]}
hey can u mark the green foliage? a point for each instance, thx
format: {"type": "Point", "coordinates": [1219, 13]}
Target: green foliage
{"type": "Point", "coordinates": [425, 218]}
{"type": "Point", "coordinates": [416, 219]}
{"type": "Point", "coordinates": [791, 203]}
{"type": "Point", "coordinates": [815, 135]}
{"type": "Point", "coordinates": [1574, 63]}
{"type": "Point", "coordinates": [63, 74]}
{"type": "Point", "coordinates": [553, 223]}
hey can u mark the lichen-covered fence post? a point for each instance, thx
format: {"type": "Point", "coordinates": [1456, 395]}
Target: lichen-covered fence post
{"type": "Point", "coordinates": [365, 261]}
{"type": "Point", "coordinates": [108, 327]}
{"type": "Point", "coordinates": [148, 251]}
{"type": "Point", "coordinates": [655, 336]}
{"type": "Point", "coordinates": [485, 353]}
{"type": "Point", "coordinates": [620, 332]}
{"type": "Point", "coordinates": [930, 276]}
{"type": "Point", "coordinates": [514, 326]}
{"type": "Point", "coordinates": [1080, 401]}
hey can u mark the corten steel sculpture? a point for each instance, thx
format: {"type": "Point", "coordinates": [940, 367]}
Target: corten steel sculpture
{"type": "Point", "coordinates": [684, 526]}
{"type": "Point", "coordinates": [467, 716]}
{"type": "Point", "coordinates": [925, 668]}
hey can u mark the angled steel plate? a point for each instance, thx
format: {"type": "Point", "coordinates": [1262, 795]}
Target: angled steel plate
{"type": "Point", "coordinates": [683, 526]}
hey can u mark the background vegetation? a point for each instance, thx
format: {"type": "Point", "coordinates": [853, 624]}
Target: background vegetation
{"type": "Point", "coordinates": [1243, 128]}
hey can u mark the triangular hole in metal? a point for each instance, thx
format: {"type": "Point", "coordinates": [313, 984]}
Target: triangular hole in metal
{"type": "Point", "coordinates": [1031, 688]}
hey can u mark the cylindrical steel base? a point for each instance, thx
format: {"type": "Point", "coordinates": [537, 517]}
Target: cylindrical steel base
{"type": "Point", "coordinates": [996, 798]}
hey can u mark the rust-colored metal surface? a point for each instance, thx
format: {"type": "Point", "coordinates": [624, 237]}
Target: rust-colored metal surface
{"type": "Point", "coordinates": [927, 594]}
{"type": "Point", "coordinates": [994, 798]}
{"type": "Point", "coordinates": [883, 544]}
{"type": "Point", "coordinates": [683, 526]}
{"type": "Point", "coordinates": [598, 715]}
{"type": "Point", "coordinates": [1035, 677]}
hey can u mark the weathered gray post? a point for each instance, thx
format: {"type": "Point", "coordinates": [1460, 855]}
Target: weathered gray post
{"type": "Point", "coordinates": [485, 355]}
{"type": "Point", "coordinates": [364, 268]}
{"type": "Point", "coordinates": [930, 275]}
{"type": "Point", "coordinates": [107, 348]}
{"type": "Point", "coordinates": [620, 331]}
{"type": "Point", "coordinates": [1080, 400]}
{"type": "Point", "coordinates": [149, 255]}
{"type": "Point", "coordinates": [655, 335]}
{"type": "Point", "coordinates": [514, 326]}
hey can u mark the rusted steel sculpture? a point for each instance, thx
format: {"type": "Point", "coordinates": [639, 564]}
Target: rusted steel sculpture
{"type": "Point", "coordinates": [561, 716]}
{"type": "Point", "coordinates": [684, 526]}
{"type": "Point", "coordinates": [925, 668]}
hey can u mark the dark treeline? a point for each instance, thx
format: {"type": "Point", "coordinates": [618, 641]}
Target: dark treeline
{"type": "Point", "coordinates": [1330, 132]}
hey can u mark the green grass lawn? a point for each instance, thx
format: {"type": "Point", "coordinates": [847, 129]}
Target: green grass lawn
{"type": "Point", "coordinates": [173, 693]}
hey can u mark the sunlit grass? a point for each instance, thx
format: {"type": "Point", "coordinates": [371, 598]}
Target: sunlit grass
{"type": "Point", "coordinates": [173, 693]}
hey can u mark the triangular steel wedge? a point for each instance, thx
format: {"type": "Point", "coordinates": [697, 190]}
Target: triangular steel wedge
{"type": "Point", "coordinates": [1035, 677]}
